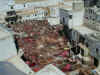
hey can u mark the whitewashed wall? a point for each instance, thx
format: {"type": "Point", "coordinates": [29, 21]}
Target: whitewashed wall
{"type": "Point", "coordinates": [2, 17]}
{"type": "Point", "coordinates": [64, 15]}
{"type": "Point", "coordinates": [78, 18]}
{"type": "Point", "coordinates": [54, 12]}
{"type": "Point", "coordinates": [54, 21]}
{"type": "Point", "coordinates": [3, 5]}
{"type": "Point", "coordinates": [78, 12]}
{"type": "Point", "coordinates": [7, 47]}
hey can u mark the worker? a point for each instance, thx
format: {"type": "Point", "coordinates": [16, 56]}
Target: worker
{"type": "Point", "coordinates": [94, 72]}
{"type": "Point", "coordinates": [67, 67]}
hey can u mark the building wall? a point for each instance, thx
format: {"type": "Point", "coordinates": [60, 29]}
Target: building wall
{"type": "Point", "coordinates": [7, 48]}
{"type": "Point", "coordinates": [68, 4]}
{"type": "Point", "coordinates": [92, 18]}
{"type": "Point", "coordinates": [93, 48]}
{"type": "Point", "coordinates": [54, 12]}
{"type": "Point", "coordinates": [89, 3]}
{"type": "Point", "coordinates": [54, 21]}
{"type": "Point", "coordinates": [64, 16]}
{"type": "Point", "coordinates": [74, 35]}
{"type": "Point", "coordinates": [51, 13]}
{"type": "Point", "coordinates": [78, 18]}
{"type": "Point", "coordinates": [78, 12]}
{"type": "Point", "coordinates": [93, 44]}
{"type": "Point", "coordinates": [59, 16]}
{"type": "Point", "coordinates": [38, 3]}
{"type": "Point", "coordinates": [35, 13]}
{"type": "Point", "coordinates": [98, 3]}
{"type": "Point", "coordinates": [42, 9]}
{"type": "Point", "coordinates": [2, 17]}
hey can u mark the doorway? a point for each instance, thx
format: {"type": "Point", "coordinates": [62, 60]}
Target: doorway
{"type": "Point", "coordinates": [96, 62]}
{"type": "Point", "coordinates": [63, 20]}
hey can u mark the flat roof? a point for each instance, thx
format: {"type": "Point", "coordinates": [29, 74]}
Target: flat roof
{"type": "Point", "coordinates": [4, 33]}
{"type": "Point", "coordinates": [84, 30]}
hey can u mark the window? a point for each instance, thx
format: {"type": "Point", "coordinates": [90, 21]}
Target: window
{"type": "Point", "coordinates": [96, 62]}
{"type": "Point", "coordinates": [90, 11]}
{"type": "Point", "coordinates": [90, 17]}
{"type": "Point", "coordinates": [81, 39]}
{"type": "Point", "coordinates": [63, 20]}
{"type": "Point", "coordinates": [12, 22]}
{"type": "Point", "coordinates": [93, 12]}
{"type": "Point", "coordinates": [11, 7]}
{"type": "Point", "coordinates": [70, 16]}
{"type": "Point", "coordinates": [87, 45]}
{"type": "Point", "coordinates": [46, 13]}
{"type": "Point", "coordinates": [86, 17]}
{"type": "Point", "coordinates": [24, 5]}
{"type": "Point", "coordinates": [82, 52]}
{"type": "Point", "coordinates": [93, 19]}
{"type": "Point", "coordinates": [10, 13]}
{"type": "Point", "coordinates": [97, 51]}
{"type": "Point", "coordinates": [35, 14]}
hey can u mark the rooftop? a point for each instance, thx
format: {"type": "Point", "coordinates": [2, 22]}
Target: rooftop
{"type": "Point", "coordinates": [3, 33]}
{"type": "Point", "coordinates": [84, 30]}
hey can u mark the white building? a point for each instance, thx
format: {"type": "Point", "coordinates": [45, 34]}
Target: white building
{"type": "Point", "coordinates": [7, 45]}
{"type": "Point", "coordinates": [92, 18]}
{"type": "Point", "coordinates": [46, 9]}
{"type": "Point", "coordinates": [2, 17]}
{"type": "Point", "coordinates": [77, 18]}
{"type": "Point", "coordinates": [78, 12]}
